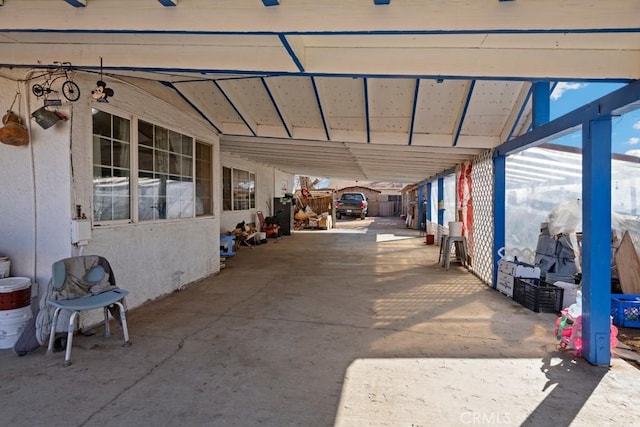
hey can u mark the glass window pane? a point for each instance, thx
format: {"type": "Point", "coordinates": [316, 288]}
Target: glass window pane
{"type": "Point", "coordinates": [101, 123]}
{"type": "Point", "coordinates": [145, 133]}
{"type": "Point", "coordinates": [120, 154]}
{"type": "Point", "coordinates": [145, 159]}
{"type": "Point", "coordinates": [111, 172]}
{"type": "Point", "coordinates": [121, 129]}
{"type": "Point", "coordinates": [161, 140]}
{"type": "Point", "coordinates": [187, 145]}
{"type": "Point", "coordinates": [226, 189]}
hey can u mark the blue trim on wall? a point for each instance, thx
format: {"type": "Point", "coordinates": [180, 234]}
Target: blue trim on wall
{"type": "Point", "coordinates": [499, 212]}
{"type": "Point", "coordinates": [275, 105]}
{"type": "Point", "coordinates": [254, 132]}
{"type": "Point", "coordinates": [324, 121]}
{"type": "Point", "coordinates": [366, 109]}
{"type": "Point", "coordinates": [168, 3]}
{"type": "Point", "coordinates": [596, 242]}
{"type": "Point", "coordinates": [381, 2]}
{"type": "Point", "coordinates": [291, 52]}
{"type": "Point", "coordinates": [269, 3]}
{"type": "Point", "coordinates": [76, 3]}
{"type": "Point", "coordinates": [413, 111]}
{"type": "Point", "coordinates": [204, 116]}
{"type": "Point", "coordinates": [541, 103]}
{"type": "Point", "coordinates": [617, 102]}
{"type": "Point", "coordinates": [464, 112]}
{"type": "Point", "coordinates": [440, 197]}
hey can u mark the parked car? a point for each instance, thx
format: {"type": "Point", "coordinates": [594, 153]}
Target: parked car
{"type": "Point", "coordinates": [352, 204]}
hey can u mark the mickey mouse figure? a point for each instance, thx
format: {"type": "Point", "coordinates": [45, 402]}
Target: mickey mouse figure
{"type": "Point", "coordinates": [101, 92]}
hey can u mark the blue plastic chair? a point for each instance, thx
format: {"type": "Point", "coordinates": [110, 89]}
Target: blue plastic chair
{"type": "Point", "coordinates": [104, 300]}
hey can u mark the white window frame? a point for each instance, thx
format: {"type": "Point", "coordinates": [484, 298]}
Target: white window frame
{"type": "Point", "coordinates": [134, 170]}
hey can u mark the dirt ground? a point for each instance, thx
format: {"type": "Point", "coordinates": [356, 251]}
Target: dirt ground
{"type": "Point", "coordinates": [630, 336]}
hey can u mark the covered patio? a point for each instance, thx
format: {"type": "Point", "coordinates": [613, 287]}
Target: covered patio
{"type": "Point", "coordinates": [356, 326]}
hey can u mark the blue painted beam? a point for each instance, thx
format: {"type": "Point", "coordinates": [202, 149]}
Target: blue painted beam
{"type": "Point", "coordinates": [413, 111]}
{"type": "Point", "coordinates": [596, 242]}
{"type": "Point", "coordinates": [275, 105]}
{"type": "Point", "coordinates": [196, 109]}
{"type": "Point", "coordinates": [615, 103]}
{"type": "Point", "coordinates": [291, 52]}
{"type": "Point", "coordinates": [366, 109]}
{"type": "Point", "coordinates": [522, 107]}
{"type": "Point", "coordinates": [168, 3]}
{"type": "Point", "coordinates": [269, 3]}
{"type": "Point", "coordinates": [324, 121]}
{"type": "Point", "coordinates": [499, 210]}
{"type": "Point", "coordinates": [464, 112]}
{"type": "Point", "coordinates": [254, 132]}
{"type": "Point", "coordinates": [77, 3]}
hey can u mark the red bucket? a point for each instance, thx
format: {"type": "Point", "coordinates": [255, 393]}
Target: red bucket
{"type": "Point", "coordinates": [15, 292]}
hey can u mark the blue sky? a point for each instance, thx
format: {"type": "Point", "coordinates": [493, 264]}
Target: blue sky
{"type": "Point", "coordinates": [626, 129]}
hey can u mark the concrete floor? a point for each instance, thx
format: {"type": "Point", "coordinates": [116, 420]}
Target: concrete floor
{"type": "Point", "coordinates": [357, 326]}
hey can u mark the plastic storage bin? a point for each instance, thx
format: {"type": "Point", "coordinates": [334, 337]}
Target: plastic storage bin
{"type": "Point", "coordinates": [537, 295]}
{"type": "Point", "coordinates": [625, 310]}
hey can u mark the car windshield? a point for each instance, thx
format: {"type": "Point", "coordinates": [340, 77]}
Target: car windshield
{"type": "Point", "coordinates": [352, 197]}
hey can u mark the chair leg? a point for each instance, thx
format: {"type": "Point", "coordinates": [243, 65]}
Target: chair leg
{"type": "Point", "coordinates": [52, 335]}
{"type": "Point", "coordinates": [107, 329]}
{"type": "Point", "coordinates": [71, 329]}
{"type": "Point", "coordinates": [123, 321]}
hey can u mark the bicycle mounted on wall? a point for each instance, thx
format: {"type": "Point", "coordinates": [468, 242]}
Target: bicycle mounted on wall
{"type": "Point", "coordinates": [70, 89]}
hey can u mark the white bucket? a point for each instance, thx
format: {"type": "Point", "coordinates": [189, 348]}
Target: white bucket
{"type": "Point", "coordinates": [5, 266]}
{"type": "Point", "coordinates": [455, 228]}
{"type": "Point", "coordinates": [15, 292]}
{"type": "Point", "coordinates": [12, 323]}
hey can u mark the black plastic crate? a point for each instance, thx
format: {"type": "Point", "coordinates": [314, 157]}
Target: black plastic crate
{"type": "Point", "coordinates": [538, 295]}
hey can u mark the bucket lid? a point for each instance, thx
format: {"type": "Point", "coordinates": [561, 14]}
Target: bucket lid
{"type": "Point", "coordinates": [11, 284]}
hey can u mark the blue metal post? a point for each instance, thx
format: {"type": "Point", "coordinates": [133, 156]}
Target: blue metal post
{"type": "Point", "coordinates": [499, 214]}
{"type": "Point", "coordinates": [421, 225]}
{"type": "Point", "coordinates": [541, 103]}
{"type": "Point", "coordinates": [428, 207]}
{"type": "Point", "coordinates": [596, 243]}
{"type": "Point", "coordinates": [440, 199]}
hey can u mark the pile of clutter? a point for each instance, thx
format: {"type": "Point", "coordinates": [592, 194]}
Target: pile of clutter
{"type": "Point", "coordinates": [569, 328]}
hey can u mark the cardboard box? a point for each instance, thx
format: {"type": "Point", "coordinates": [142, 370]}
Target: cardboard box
{"type": "Point", "coordinates": [509, 270]}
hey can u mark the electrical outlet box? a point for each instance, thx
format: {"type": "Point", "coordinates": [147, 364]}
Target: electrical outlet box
{"type": "Point", "coordinates": [80, 230]}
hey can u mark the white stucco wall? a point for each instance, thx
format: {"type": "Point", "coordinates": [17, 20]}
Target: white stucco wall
{"type": "Point", "coordinates": [268, 185]}
{"type": "Point", "coordinates": [150, 259]}
{"type": "Point", "coordinates": [42, 182]}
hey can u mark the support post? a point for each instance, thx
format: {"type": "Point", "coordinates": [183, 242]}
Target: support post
{"type": "Point", "coordinates": [441, 201]}
{"type": "Point", "coordinates": [428, 207]}
{"type": "Point", "coordinates": [541, 103]}
{"type": "Point", "coordinates": [499, 214]}
{"type": "Point", "coordinates": [596, 242]}
{"type": "Point", "coordinates": [421, 224]}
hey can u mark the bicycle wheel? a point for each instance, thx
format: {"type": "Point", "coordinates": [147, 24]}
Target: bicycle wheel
{"type": "Point", "coordinates": [70, 90]}
{"type": "Point", "coordinates": [37, 90]}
